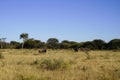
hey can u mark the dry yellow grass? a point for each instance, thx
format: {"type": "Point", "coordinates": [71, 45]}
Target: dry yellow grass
{"type": "Point", "coordinates": [19, 65]}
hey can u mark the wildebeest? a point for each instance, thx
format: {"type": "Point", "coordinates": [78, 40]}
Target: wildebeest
{"type": "Point", "coordinates": [75, 49]}
{"type": "Point", "coordinates": [42, 51]}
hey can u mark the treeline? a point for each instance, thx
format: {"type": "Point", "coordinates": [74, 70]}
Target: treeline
{"type": "Point", "coordinates": [53, 43]}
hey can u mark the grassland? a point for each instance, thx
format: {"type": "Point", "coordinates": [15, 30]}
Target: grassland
{"type": "Point", "coordinates": [59, 65]}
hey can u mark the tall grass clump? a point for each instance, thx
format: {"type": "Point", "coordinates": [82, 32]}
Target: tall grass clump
{"type": "Point", "coordinates": [52, 64]}
{"type": "Point", "coordinates": [87, 52]}
{"type": "Point", "coordinates": [30, 77]}
{"type": "Point", "coordinates": [1, 56]}
{"type": "Point", "coordinates": [26, 77]}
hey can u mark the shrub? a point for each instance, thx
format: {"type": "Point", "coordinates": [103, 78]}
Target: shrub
{"type": "Point", "coordinates": [25, 77]}
{"type": "Point", "coordinates": [36, 62]}
{"type": "Point", "coordinates": [52, 64]}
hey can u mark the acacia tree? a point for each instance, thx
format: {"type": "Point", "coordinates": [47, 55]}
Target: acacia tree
{"type": "Point", "coordinates": [114, 44]}
{"type": "Point", "coordinates": [14, 44]}
{"type": "Point", "coordinates": [53, 43]}
{"type": "Point", "coordinates": [32, 43]}
{"type": "Point", "coordinates": [98, 44]}
{"type": "Point", "coordinates": [65, 44]}
{"type": "Point", "coordinates": [24, 36]}
{"type": "Point", "coordinates": [2, 40]}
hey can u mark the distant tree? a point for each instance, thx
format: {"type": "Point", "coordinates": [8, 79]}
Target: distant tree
{"type": "Point", "coordinates": [65, 41]}
{"type": "Point", "coordinates": [65, 44]}
{"type": "Point", "coordinates": [87, 44]}
{"type": "Point", "coordinates": [6, 45]}
{"type": "Point", "coordinates": [98, 44]}
{"type": "Point", "coordinates": [31, 43]}
{"type": "Point", "coordinates": [52, 40]}
{"type": "Point", "coordinates": [53, 43]}
{"type": "Point", "coordinates": [24, 36]}
{"type": "Point", "coordinates": [114, 44]}
{"type": "Point", "coordinates": [2, 41]}
{"type": "Point", "coordinates": [40, 44]}
{"type": "Point", "coordinates": [14, 44]}
{"type": "Point", "coordinates": [74, 44]}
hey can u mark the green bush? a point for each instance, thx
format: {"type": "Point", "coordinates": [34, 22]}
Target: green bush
{"type": "Point", "coordinates": [52, 64]}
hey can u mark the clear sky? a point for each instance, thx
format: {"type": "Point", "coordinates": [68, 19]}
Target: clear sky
{"type": "Point", "coordinates": [74, 20]}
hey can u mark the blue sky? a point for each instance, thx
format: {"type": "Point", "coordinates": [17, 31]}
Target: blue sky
{"type": "Point", "coordinates": [74, 20]}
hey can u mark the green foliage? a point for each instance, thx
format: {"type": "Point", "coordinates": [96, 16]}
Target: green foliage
{"type": "Point", "coordinates": [65, 44]}
{"type": "Point", "coordinates": [52, 64]}
{"type": "Point", "coordinates": [98, 44]}
{"type": "Point", "coordinates": [31, 43]}
{"type": "Point", "coordinates": [52, 40]}
{"type": "Point", "coordinates": [23, 36]}
{"type": "Point", "coordinates": [114, 44]}
{"type": "Point", "coordinates": [74, 44]}
{"type": "Point", "coordinates": [53, 43]}
{"type": "Point", "coordinates": [14, 44]}
{"type": "Point", "coordinates": [87, 44]}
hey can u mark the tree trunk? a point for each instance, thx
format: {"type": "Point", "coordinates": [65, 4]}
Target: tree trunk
{"type": "Point", "coordinates": [22, 45]}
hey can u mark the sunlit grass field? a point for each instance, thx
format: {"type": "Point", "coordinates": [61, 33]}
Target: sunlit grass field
{"type": "Point", "coordinates": [59, 65]}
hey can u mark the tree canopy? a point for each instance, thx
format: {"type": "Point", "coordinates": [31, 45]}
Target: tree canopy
{"type": "Point", "coordinates": [53, 43]}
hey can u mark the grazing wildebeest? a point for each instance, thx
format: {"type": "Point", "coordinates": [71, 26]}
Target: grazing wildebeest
{"type": "Point", "coordinates": [75, 49]}
{"type": "Point", "coordinates": [43, 51]}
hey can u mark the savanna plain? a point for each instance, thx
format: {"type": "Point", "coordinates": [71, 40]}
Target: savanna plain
{"type": "Point", "coordinates": [28, 64]}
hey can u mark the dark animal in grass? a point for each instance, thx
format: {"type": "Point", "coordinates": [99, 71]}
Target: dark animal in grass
{"type": "Point", "coordinates": [42, 51]}
{"type": "Point", "coordinates": [75, 49]}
